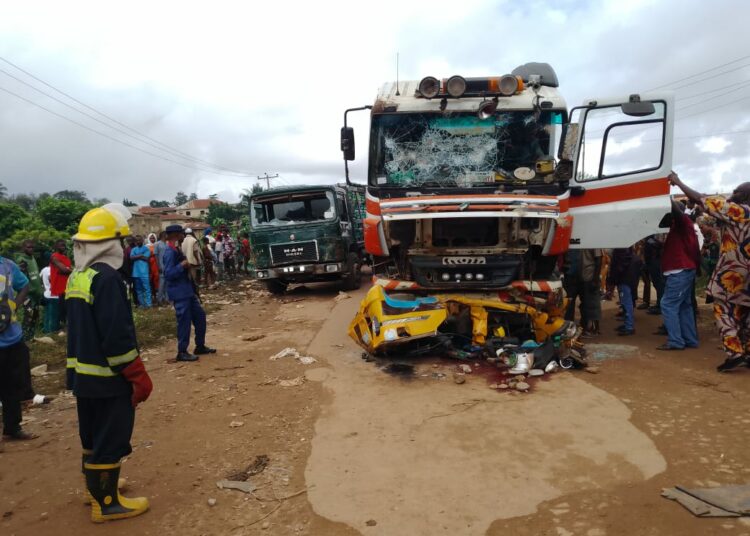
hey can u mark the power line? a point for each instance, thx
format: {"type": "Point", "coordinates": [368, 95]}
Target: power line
{"type": "Point", "coordinates": [712, 109]}
{"type": "Point", "coordinates": [743, 83]}
{"type": "Point", "coordinates": [162, 146]}
{"type": "Point", "coordinates": [703, 72]}
{"type": "Point", "coordinates": [707, 100]}
{"type": "Point", "coordinates": [61, 116]}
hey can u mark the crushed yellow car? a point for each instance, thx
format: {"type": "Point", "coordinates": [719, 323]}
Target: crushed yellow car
{"type": "Point", "coordinates": [398, 323]}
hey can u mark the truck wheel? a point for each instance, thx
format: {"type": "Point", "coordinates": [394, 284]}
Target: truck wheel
{"type": "Point", "coordinates": [275, 286]}
{"type": "Point", "coordinates": [353, 279]}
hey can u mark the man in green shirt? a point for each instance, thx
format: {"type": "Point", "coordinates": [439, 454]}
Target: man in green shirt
{"type": "Point", "coordinates": [30, 268]}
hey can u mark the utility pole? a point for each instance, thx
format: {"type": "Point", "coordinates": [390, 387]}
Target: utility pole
{"type": "Point", "coordinates": [268, 178]}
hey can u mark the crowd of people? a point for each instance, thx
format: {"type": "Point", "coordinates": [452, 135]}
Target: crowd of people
{"type": "Point", "coordinates": [703, 235]}
{"type": "Point", "coordinates": [212, 259]}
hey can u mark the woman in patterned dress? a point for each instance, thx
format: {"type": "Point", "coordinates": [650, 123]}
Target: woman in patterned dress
{"type": "Point", "coordinates": [729, 283]}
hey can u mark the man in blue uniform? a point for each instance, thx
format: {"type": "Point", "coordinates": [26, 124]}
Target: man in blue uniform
{"type": "Point", "coordinates": [15, 374]}
{"type": "Point", "coordinates": [104, 368]}
{"type": "Point", "coordinates": [181, 292]}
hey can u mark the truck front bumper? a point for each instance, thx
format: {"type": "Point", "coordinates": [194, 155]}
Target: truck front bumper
{"type": "Point", "coordinates": [302, 272]}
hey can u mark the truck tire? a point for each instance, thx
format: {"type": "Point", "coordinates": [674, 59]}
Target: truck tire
{"type": "Point", "coordinates": [275, 286]}
{"type": "Point", "coordinates": [353, 279]}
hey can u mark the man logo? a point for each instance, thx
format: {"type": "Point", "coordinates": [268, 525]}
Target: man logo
{"type": "Point", "coordinates": [456, 261]}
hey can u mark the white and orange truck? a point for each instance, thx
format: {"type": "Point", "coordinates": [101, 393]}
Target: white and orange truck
{"type": "Point", "coordinates": [476, 186]}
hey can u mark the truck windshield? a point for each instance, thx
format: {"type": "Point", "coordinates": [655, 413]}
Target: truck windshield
{"type": "Point", "coordinates": [458, 150]}
{"type": "Point", "coordinates": [293, 208]}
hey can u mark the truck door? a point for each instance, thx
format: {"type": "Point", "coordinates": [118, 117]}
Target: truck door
{"type": "Point", "coordinates": [619, 189]}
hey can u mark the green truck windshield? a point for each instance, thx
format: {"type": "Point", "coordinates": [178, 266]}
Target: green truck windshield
{"type": "Point", "coordinates": [291, 209]}
{"type": "Point", "coordinates": [457, 150]}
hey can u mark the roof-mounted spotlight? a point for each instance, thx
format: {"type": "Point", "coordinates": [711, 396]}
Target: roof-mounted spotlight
{"type": "Point", "coordinates": [508, 85]}
{"type": "Point", "coordinates": [456, 86]}
{"type": "Point", "coordinates": [429, 87]}
{"type": "Point", "coordinates": [487, 109]}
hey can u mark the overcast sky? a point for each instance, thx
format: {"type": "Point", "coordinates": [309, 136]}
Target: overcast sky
{"type": "Point", "coordinates": [261, 87]}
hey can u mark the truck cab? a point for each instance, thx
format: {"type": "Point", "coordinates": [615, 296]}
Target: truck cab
{"type": "Point", "coordinates": [307, 233]}
{"type": "Point", "coordinates": [477, 183]}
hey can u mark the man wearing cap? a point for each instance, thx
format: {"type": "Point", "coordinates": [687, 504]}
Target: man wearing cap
{"type": "Point", "coordinates": [104, 368]}
{"type": "Point", "coordinates": [181, 291]}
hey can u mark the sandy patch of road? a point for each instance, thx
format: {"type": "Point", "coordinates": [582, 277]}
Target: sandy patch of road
{"type": "Point", "coordinates": [422, 457]}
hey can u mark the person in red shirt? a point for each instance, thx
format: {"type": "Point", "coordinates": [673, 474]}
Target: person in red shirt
{"type": "Point", "coordinates": [245, 250]}
{"type": "Point", "coordinates": [679, 263]}
{"type": "Point", "coordinates": [60, 268]}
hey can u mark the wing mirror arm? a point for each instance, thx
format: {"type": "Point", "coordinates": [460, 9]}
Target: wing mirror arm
{"type": "Point", "coordinates": [577, 191]}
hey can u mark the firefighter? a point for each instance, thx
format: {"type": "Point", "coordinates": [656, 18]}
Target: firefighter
{"type": "Point", "coordinates": [104, 368]}
{"type": "Point", "coordinates": [182, 292]}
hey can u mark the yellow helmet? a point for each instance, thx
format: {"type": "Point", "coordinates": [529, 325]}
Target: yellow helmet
{"type": "Point", "coordinates": [103, 223]}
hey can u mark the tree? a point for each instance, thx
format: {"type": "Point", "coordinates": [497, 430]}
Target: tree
{"type": "Point", "coordinates": [72, 195]}
{"type": "Point", "coordinates": [223, 213]}
{"type": "Point", "coordinates": [61, 214]}
{"type": "Point", "coordinates": [3, 191]}
{"type": "Point", "coordinates": [180, 199]}
{"type": "Point", "coordinates": [193, 197]}
{"type": "Point", "coordinates": [213, 197]}
{"type": "Point", "coordinates": [158, 204]}
{"type": "Point", "coordinates": [99, 201]}
{"type": "Point", "coordinates": [12, 218]}
{"type": "Point", "coordinates": [25, 201]}
{"type": "Point", "coordinates": [128, 203]}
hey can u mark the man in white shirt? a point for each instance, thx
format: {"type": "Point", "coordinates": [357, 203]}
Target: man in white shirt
{"type": "Point", "coordinates": [49, 312]}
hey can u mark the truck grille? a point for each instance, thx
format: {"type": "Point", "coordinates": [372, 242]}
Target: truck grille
{"type": "Point", "coordinates": [294, 252]}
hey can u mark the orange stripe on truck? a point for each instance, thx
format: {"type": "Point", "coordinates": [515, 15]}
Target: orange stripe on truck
{"type": "Point", "coordinates": [622, 192]}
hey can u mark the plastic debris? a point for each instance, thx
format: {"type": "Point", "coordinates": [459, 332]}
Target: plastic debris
{"type": "Point", "coordinates": [292, 352]}
{"type": "Point", "coordinates": [245, 487]}
{"type": "Point", "coordinates": [294, 382]}
{"type": "Point", "coordinates": [40, 370]}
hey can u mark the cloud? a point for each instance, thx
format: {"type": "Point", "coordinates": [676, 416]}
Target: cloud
{"type": "Point", "coordinates": [713, 145]}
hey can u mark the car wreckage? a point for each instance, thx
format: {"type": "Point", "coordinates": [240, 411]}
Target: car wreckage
{"type": "Point", "coordinates": [476, 187]}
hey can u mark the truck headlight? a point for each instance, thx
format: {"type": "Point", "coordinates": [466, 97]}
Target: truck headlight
{"type": "Point", "coordinates": [332, 267]}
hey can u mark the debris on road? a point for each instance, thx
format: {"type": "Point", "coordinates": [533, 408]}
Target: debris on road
{"type": "Point", "coordinates": [40, 370]}
{"type": "Point", "coordinates": [44, 340]}
{"type": "Point", "coordinates": [255, 468]}
{"type": "Point", "coordinates": [292, 352]}
{"type": "Point", "coordinates": [459, 378]}
{"type": "Point", "coordinates": [243, 486]}
{"type": "Point", "coordinates": [294, 382]}
{"type": "Point", "coordinates": [211, 501]}
{"type": "Point", "coordinates": [341, 296]}
{"type": "Point", "coordinates": [236, 424]}
{"type": "Point", "coordinates": [723, 501]}
{"type": "Point", "coordinates": [251, 338]}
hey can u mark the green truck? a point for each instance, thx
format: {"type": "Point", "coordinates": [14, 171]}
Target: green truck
{"type": "Point", "coordinates": [307, 233]}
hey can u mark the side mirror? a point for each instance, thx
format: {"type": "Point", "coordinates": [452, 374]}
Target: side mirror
{"type": "Point", "coordinates": [569, 145]}
{"type": "Point", "coordinates": [636, 107]}
{"type": "Point", "coordinates": [347, 142]}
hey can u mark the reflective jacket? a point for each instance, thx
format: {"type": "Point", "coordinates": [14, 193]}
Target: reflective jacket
{"type": "Point", "coordinates": [101, 333]}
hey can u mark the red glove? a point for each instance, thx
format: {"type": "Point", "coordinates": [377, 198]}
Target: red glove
{"type": "Point", "coordinates": [136, 374]}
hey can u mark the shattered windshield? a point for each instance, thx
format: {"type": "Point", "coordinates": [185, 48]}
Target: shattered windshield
{"type": "Point", "coordinates": [434, 150]}
{"type": "Point", "coordinates": [288, 209]}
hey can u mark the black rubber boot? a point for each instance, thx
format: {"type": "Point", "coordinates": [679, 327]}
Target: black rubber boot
{"type": "Point", "coordinates": [87, 498]}
{"type": "Point", "coordinates": [107, 503]}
